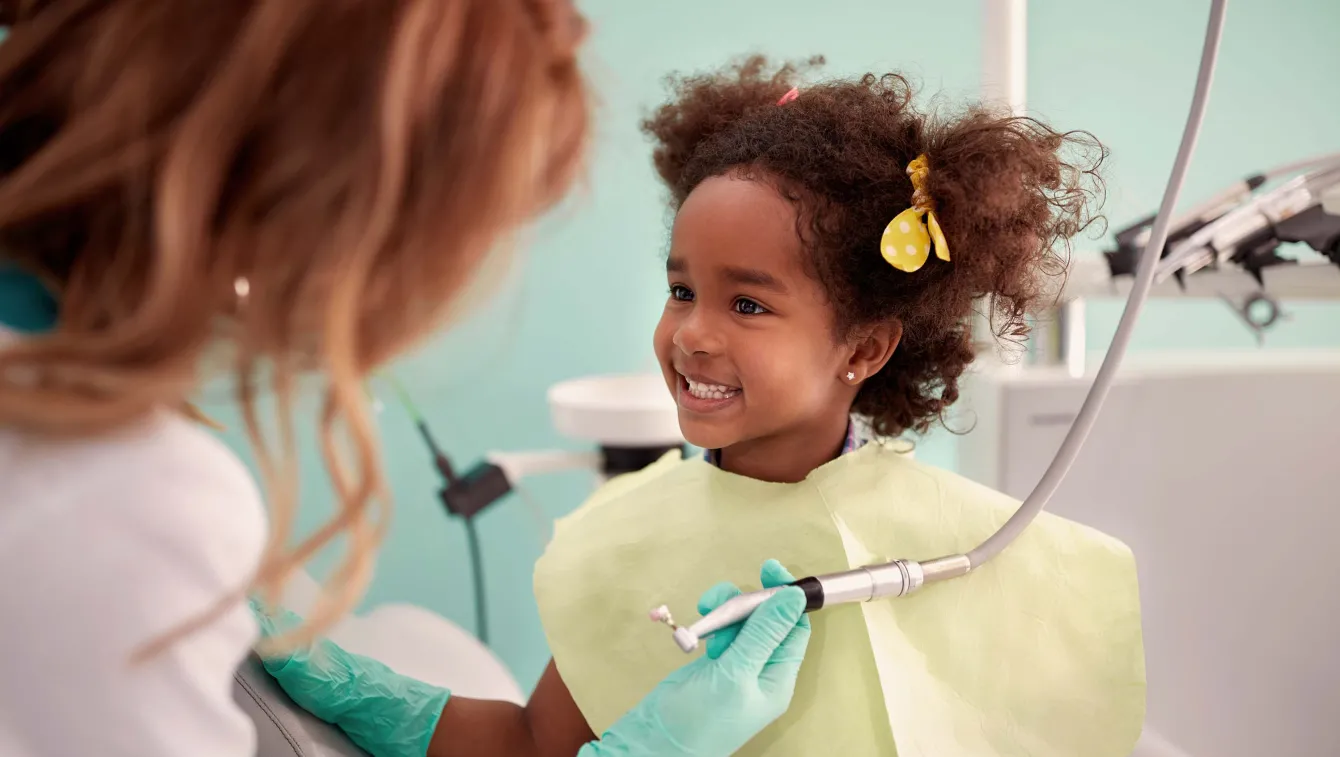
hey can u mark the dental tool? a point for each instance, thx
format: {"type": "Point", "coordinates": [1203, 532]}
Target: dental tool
{"type": "Point", "coordinates": [1131, 240]}
{"type": "Point", "coordinates": [903, 577]}
{"type": "Point", "coordinates": [1249, 235]}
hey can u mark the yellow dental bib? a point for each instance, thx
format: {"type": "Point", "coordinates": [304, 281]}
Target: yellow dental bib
{"type": "Point", "coordinates": [1037, 653]}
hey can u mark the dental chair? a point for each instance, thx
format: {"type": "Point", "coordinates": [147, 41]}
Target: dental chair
{"type": "Point", "coordinates": [409, 639]}
{"type": "Point", "coordinates": [282, 728]}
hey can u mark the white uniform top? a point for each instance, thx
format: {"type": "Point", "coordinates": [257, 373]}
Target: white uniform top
{"type": "Point", "coordinates": [104, 544]}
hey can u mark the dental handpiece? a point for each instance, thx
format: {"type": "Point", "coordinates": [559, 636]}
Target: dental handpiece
{"type": "Point", "coordinates": [896, 579]}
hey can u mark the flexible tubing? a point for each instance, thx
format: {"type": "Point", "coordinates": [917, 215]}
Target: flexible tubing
{"type": "Point", "coordinates": [1144, 278]}
{"type": "Point", "coordinates": [1316, 161]}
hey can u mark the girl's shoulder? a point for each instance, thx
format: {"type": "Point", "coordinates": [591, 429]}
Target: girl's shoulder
{"type": "Point", "coordinates": [620, 486]}
{"type": "Point", "coordinates": [880, 477]}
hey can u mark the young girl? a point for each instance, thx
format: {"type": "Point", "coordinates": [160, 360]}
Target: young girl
{"type": "Point", "coordinates": [828, 247]}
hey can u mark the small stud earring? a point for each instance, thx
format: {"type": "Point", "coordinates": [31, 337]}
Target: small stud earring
{"type": "Point", "coordinates": [851, 376]}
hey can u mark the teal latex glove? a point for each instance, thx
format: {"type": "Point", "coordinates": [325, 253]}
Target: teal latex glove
{"type": "Point", "coordinates": [714, 705]}
{"type": "Point", "coordinates": [386, 714]}
{"type": "Point", "coordinates": [773, 574]}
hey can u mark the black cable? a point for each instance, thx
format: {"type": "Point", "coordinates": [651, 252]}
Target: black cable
{"type": "Point", "coordinates": [440, 460]}
{"type": "Point", "coordinates": [477, 568]}
{"type": "Point", "coordinates": [450, 481]}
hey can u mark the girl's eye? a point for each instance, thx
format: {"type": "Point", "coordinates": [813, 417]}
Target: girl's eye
{"type": "Point", "coordinates": [749, 307]}
{"type": "Point", "coordinates": [681, 293]}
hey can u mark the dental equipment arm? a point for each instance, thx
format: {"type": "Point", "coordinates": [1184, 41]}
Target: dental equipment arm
{"type": "Point", "coordinates": [1229, 248]}
{"type": "Point", "coordinates": [902, 577]}
{"type": "Point", "coordinates": [1306, 209]}
{"type": "Point", "coordinates": [1131, 240]}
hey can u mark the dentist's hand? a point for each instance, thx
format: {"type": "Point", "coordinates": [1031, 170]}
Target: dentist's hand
{"type": "Point", "coordinates": [384, 713]}
{"type": "Point", "coordinates": [717, 703]}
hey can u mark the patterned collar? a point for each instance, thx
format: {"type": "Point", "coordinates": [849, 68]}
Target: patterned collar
{"type": "Point", "coordinates": [855, 440]}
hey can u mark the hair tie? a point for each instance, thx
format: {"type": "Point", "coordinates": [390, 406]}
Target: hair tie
{"type": "Point", "coordinates": [906, 242]}
{"type": "Point", "coordinates": [789, 96]}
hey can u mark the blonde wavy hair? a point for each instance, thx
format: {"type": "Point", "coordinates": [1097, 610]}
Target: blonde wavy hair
{"type": "Point", "coordinates": [351, 161]}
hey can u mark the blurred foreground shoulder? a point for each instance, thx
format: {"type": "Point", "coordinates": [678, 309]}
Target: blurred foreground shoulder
{"type": "Point", "coordinates": [121, 539]}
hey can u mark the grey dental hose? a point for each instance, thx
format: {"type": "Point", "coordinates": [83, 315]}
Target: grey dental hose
{"type": "Point", "coordinates": [902, 577]}
{"type": "Point", "coordinates": [1144, 279]}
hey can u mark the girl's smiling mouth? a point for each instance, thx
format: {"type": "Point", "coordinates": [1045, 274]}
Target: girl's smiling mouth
{"type": "Point", "coordinates": [701, 395]}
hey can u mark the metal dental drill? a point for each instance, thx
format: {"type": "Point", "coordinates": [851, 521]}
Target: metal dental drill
{"type": "Point", "coordinates": [896, 579]}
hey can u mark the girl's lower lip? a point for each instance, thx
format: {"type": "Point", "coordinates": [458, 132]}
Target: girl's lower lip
{"type": "Point", "coordinates": [698, 404]}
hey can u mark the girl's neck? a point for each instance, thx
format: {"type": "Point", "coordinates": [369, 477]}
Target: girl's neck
{"type": "Point", "coordinates": [787, 458]}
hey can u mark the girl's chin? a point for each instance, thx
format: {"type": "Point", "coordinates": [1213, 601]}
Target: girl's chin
{"type": "Point", "coordinates": [705, 435]}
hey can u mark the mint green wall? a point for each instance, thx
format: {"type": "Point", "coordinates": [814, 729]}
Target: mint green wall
{"type": "Point", "coordinates": [590, 287]}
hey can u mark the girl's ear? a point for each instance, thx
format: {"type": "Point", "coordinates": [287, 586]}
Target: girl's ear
{"type": "Point", "coordinates": [871, 350]}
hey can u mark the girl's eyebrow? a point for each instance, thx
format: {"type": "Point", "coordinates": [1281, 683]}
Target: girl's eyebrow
{"type": "Point", "coordinates": [746, 276]}
{"type": "Point", "coordinates": [754, 277]}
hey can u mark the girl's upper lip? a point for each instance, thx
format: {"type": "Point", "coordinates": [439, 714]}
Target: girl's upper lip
{"type": "Point", "coordinates": [699, 378]}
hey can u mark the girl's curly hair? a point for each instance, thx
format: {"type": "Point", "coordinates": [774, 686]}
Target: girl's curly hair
{"type": "Point", "coordinates": [1009, 192]}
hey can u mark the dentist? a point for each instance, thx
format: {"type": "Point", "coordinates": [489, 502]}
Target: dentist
{"type": "Point", "coordinates": [277, 192]}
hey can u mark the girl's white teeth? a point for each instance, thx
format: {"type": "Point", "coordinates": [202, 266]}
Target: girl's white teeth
{"type": "Point", "coordinates": [710, 391]}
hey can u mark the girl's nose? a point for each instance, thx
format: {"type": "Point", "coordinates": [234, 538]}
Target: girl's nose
{"type": "Point", "coordinates": [697, 335]}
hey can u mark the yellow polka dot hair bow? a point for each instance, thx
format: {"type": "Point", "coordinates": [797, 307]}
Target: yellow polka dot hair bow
{"type": "Point", "coordinates": [906, 243]}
